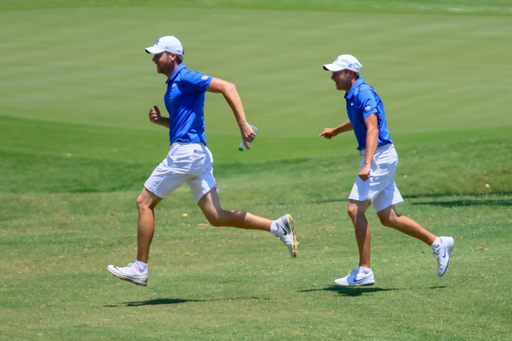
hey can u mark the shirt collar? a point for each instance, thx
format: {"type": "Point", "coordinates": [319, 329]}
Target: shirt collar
{"type": "Point", "coordinates": [357, 83]}
{"type": "Point", "coordinates": [175, 72]}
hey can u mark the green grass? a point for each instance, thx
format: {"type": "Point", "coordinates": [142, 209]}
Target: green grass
{"type": "Point", "coordinates": [220, 283]}
{"type": "Point", "coordinates": [76, 147]}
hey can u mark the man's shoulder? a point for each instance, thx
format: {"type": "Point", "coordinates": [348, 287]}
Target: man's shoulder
{"type": "Point", "coordinates": [188, 75]}
{"type": "Point", "coordinates": [364, 91]}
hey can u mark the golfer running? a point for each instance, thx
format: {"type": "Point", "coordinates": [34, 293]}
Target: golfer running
{"type": "Point", "coordinates": [189, 160]}
{"type": "Point", "coordinates": [374, 184]}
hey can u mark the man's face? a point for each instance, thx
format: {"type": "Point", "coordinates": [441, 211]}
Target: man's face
{"type": "Point", "coordinates": [163, 62]}
{"type": "Point", "coordinates": [342, 79]}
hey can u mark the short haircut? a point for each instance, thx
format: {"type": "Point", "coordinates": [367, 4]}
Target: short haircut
{"type": "Point", "coordinates": [180, 58]}
{"type": "Point", "coordinates": [356, 74]}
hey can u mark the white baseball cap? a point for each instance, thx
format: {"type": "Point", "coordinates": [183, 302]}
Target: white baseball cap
{"type": "Point", "coordinates": [344, 62]}
{"type": "Point", "coordinates": [166, 44]}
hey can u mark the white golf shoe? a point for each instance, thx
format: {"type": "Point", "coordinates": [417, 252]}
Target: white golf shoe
{"type": "Point", "coordinates": [442, 254]}
{"type": "Point", "coordinates": [356, 277]}
{"type": "Point", "coordinates": [287, 234]}
{"type": "Point", "coordinates": [130, 274]}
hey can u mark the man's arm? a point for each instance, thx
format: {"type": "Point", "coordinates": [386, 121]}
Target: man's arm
{"type": "Point", "coordinates": [372, 139]}
{"type": "Point", "coordinates": [156, 118]}
{"type": "Point", "coordinates": [228, 89]}
{"type": "Point", "coordinates": [329, 133]}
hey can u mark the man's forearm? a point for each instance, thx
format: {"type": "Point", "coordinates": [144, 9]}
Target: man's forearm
{"type": "Point", "coordinates": [233, 98]}
{"type": "Point", "coordinates": [347, 126]}
{"type": "Point", "coordinates": [164, 122]}
{"type": "Point", "coordinates": [372, 139]}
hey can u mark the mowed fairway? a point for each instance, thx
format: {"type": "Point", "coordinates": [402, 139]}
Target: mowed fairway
{"type": "Point", "coordinates": [76, 147]}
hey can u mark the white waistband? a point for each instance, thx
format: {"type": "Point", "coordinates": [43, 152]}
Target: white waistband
{"type": "Point", "coordinates": [176, 143]}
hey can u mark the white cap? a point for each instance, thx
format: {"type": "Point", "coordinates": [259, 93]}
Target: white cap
{"type": "Point", "coordinates": [166, 44]}
{"type": "Point", "coordinates": [344, 62]}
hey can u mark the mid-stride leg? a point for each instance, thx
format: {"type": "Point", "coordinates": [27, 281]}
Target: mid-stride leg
{"type": "Point", "coordinates": [356, 211]}
{"type": "Point", "coordinates": [283, 228]}
{"type": "Point", "coordinates": [388, 217]}
{"type": "Point", "coordinates": [442, 246]}
{"type": "Point", "coordinates": [137, 272]}
{"type": "Point", "coordinates": [146, 203]}
{"type": "Point", "coordinates": [362, 275]}
{"type": "Point", "coordinates": [212, 210]}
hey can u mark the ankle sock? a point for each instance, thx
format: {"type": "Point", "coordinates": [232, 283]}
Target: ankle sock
{"type": "Point", "coordinates": [437, 243]}
{"type": "Point", "coordinates": [365, 270]}
{"type": "Point", "coordinates": [274, 228]}
{"type": "Point", "coordinates": [142, 267]}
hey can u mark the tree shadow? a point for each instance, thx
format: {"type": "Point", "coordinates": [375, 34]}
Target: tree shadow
{"type": "Point", "coordinates": [358, 291]}
{"type": "Point", "coordinates": [167, 301]}
{"type": "Point", "coordinates": [441, 195]}
{"type": "Point", "coordinates": [468, 202]}
{"type": "Point", "coordinates": [477, 199]}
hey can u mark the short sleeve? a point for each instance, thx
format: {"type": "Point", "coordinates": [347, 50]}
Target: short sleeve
{"type": "Point", "coordinates": [368, 103]}
{"type": "Point", "coordinates": [193, 81]}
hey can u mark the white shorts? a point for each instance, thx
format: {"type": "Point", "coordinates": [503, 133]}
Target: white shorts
{"type": "Point", "coordinates": [380, 187]}
{"type": "Point", "coordinates": [186, 162]}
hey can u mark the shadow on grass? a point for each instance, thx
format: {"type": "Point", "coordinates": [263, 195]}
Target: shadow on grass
{"type": "Point", "coordinates": [470, 202]}
{"type": "Point", "coordinates": [442, 195]}
{"type": "Point", "coordinates": [358, 291]}
{"type": "Point", "coordinates": [475, 201]}
{"type": "Point", "coordinates": [165, 301]}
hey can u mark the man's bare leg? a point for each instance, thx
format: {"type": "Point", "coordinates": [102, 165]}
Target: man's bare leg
{"type": "Point", "coordinates": [356, 211]}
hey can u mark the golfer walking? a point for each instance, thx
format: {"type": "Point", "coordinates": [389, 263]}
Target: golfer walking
{"type": "Point", "coordinates": [189, 160]}
{"type": "Point", "coordinates": [374, 184]}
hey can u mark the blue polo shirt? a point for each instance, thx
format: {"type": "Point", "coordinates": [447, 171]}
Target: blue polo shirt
{"type": "Point", "coordinates": [184, 100]}
{"type": "Point", "coordinates": [363, 101]}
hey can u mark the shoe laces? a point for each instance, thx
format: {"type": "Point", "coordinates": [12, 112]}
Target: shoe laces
{"type": "Point", "coordinates": [353, 271]}
{"type": "Point", "coordinates": [437, 251]}
{"type": "Point", "coordinates": [131, 267]}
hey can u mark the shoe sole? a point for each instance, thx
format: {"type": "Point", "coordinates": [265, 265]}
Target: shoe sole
{"type": "Point", "coordinates": [124, 278]}
{"type": "Point", "coordinates": [295, 247]}
{"type": "Point", "coordinates": [357, 285]}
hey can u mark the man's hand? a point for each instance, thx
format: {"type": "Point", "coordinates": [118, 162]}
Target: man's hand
{"type": "Point", "coordinates": [364, 174]}
{"type": "Point", "coordinates": [248, 134]}
{"type": "Point", "coordinates": [329, 133]}
{"type": "Point", "coordinates": [154, 115]}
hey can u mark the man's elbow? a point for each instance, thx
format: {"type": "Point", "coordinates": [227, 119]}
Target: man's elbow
{"type": "Point", "coordinates": [230, 87]}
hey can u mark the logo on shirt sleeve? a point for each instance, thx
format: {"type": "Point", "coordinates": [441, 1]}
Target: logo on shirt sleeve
{"type": "Point", "coordinates": [367, 108]}
{"type": "Point", "coordinates": [204, 78]}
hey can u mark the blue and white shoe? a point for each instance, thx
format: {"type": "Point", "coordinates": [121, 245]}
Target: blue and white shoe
{"type": "Point", "coordinates": [356, 277]}
{"type": "Point", "coordinates": [442, 254]}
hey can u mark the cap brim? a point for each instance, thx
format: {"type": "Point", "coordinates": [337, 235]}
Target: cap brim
{"type": "Point", "coordinates": [332, 67]}
{"type": "Point", "coordinates": [154, 50]}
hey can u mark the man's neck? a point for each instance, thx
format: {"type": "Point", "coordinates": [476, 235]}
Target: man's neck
{"type": "Point", "coordinates": [171, 71]}
{"type": "Point", "coordinates": [352, 81]}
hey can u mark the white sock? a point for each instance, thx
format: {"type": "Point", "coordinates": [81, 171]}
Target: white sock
{"type": "Point", "coordinates": [365, 270]}
{"type": "Point", "coordinates": [274, 228]}
{"type": "Point", "coordinates": [142, 267]}
{"type": "Point", "coordinates": [437, 243]}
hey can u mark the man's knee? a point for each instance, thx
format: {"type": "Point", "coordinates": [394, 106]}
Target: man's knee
{"type": "Point", "coordinates": [354, 211]}
{"type": "Point", "coordinates": [387, 217]}
{"type": "Point", "coordinates": [147, 200]}
{"type": "Point", "coordinates": [142, 203]}
{"type": "Point", "coordinates": [386, 221]}
{"type": "Point", "coordinates": [215, 220]}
